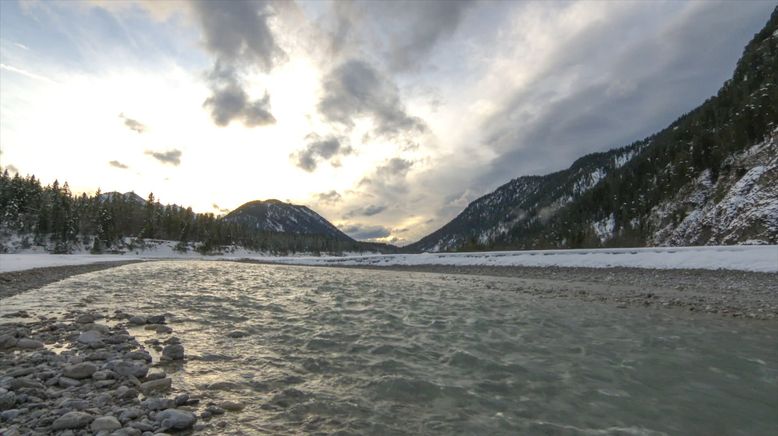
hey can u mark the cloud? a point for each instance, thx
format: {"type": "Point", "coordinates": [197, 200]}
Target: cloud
{"type": "Point", "coordinates": [171, 157]}
{"type": "Point", "coordinates": [388, 180]}
{"type": "Point", "coordinates": [26, 73]}
{"type": "Point", "coordinates": [320, 149]}
{"type": "Point", "coordinates": [401, 33]}
{"type": "Point", "coordinates": [369, 210]}
{"type": "Point", "coordinates": [132, 124]}
{"type": "Point", "coordinates": [219, 209]}
{"type": "Point", "coordinates": [594, 92]}
{"type": "Point", "coordinates": [229, 101]}
{"type": "Point", "coordinates": [238, 34]}
{"type": "Point", "coordinates": [356, 89]}
{"type": "Point", "coordinates": [117, 164]}
{"type": "Point", "coordinates": [12, 169]}
{"type": "Point", "coordinates": [363, 232]}
{"type": "Point", "coordinates": [330, 197]}
{"type": "Point", "coordinates": [421, 25]}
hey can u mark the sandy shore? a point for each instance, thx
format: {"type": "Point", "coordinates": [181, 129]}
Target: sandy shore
{"type": "Point", "coordinates": [14, 282]}
{"type": "Point", "coordinates": [727, 293]}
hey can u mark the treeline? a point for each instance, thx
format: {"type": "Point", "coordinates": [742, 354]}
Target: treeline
{"type": "Point", "coordinates": [53, 217]}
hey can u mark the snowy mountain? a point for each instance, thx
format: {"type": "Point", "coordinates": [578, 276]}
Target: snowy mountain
{"type": "Point", "coordinates": [711, 177]}
{"type": "Point", "coordinates": [277, 216]}
{"type": "Point", "coordinates": [130, 196]}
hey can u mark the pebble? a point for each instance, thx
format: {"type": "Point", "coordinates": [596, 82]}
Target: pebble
{"type": "Point", "coordinates": [176, 419]}
{"type": "Point", "coordinates": [151, 386]}
{"type": "Point", "coordinates": [237, 334]}
{"type": "Point", "coordinates": [105, 423]}
{"type": "Point", "coordinates": [80, 370]}
{"type": "Point", "coordinates": [173, 352]}
{"type": "Point", "coordinates": [29, 344]}
{"type": "Point", "coordinates": [72, 420]}
{"type": "Point", "coordinates": [91, 337]}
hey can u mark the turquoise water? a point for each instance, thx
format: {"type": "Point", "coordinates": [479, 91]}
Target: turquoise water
{"type": "Point", "coordinates": [380, 352]}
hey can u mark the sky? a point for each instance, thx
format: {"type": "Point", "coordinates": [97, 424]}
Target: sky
{"type": "Point", "coordinates": [387, 118]}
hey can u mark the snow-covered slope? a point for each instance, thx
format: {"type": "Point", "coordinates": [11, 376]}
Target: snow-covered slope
{"type": "Point", "coordinates": [277, 216]}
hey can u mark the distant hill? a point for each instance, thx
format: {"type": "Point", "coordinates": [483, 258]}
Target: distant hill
{"type": "Point", "coordinates": [711, 177]}
{"type": "Point", "coordinates": [277, 216]}
{"type": "Point", "coordinates": [128, 196]}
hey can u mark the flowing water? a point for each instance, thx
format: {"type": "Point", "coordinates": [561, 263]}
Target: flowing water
{"type": "Point", "coordinates": [382, 352]}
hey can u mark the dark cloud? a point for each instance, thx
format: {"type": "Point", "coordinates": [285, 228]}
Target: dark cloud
{"type": "Point", "coordinates": [363, 232]}
{"type": "Point", "coordinates": [369, 210]}
{"type": "Point", "coordinates": [231, 102]}
{"type": "Point", "coordinates": [402, 33]}
{"type": "Point", "coordinates": [356, 89]}
{"type": "Point", "coordinates": [330, 197]}
{"type": "Point", "coordinates": [617, 90]}
{"type": "Point", "coordinates": [388, 180]}
{"type": "Point", "coordinates": [171, 157]}
{"type": "Point", "coordinates": [237, 31]}
{"type": "Point", "coordinates": [422, 25]}
{"type": "Point", "coordinates": [320, 149]}
{"type": "Point", "coordinates": [238, 34]}
{"type": "Point", "coordinates": [132, 124]}
{"type": "Point", "coordinates": [117, 164]}
{"type": "Point", "coordinates": [219, 209]}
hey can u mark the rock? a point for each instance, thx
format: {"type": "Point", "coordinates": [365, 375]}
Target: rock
{"type": "Point", "coordinates": [158, 385]}
{"type": "Point", "coordinates": [138, 355]}
{"type": "Point", "coordinates": [176, 419]}
{"type": "Point", "coordinates": [125, 392]}
{"type": "Point", "coordinates": [7, 341]}
{"type": "Point", "coordinates": [163, 329]}
{"type": "Point", "coordinates": [214, 410]}
{"type": "Point", "coordinates": [72, 420]}
{"type": "Point", "coordinates": [29, 344]}
{"type": "Point", "coordinates": [80, 370]}
{"type": "Point", "coordinates": [155, 374]}
{"type": "Point", "coordinates": [104, 374]}
{"type": "Point", "coordinates": [173, 352]}
{"type": "Point", "coordinates": [23, 382]}
{"type": "Point", "coordinates": [7, 400]}
{"type": "Point", "coordinates": [129, 414]}
{"type": "Point", "coordinates": [129, 368]}
{"type": "Point", "coordinates": [67, 382]}
{"type": "Point", "coordinates": [127, 431]}
{"type": "Point", "coordinates": [231, 406]}
{"type": "Point", "coordinates": [105, 423]}
{"type": "Point", "coordinates": [10, 414]}
{"type": "Point", "coordinates": [137, 320]}
{"type": "Point", "coordinates": [157, 319]}
{"type": "Point", "coordinates": [157, 403]}
{"type": "Point", "coordinates": [237, 334]}
{"type": "Point", "coordinates": [182, 399]}
{"type": "Point", "coordinates": [85, 319]}
{"type": "Point", "coordinates": [91, 337]}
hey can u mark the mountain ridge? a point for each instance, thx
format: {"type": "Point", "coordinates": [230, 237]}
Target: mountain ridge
{"type": "Point", "coordinates": [629, 196]}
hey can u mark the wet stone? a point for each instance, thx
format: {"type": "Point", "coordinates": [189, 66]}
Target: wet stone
{"type": "Point", "coordinates": [80, 371]}
{"type": "Point", "coordinates": [173, 352]}
{"type": "Point", "coordinates": [72, 420]}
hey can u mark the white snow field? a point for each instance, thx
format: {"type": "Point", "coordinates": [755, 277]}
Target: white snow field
{"type": "Point", "coordinates": [757, 258]}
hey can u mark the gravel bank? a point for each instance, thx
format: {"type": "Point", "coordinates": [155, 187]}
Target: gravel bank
{"type": "Point", "coordinates": [727, 293]}
{"type": "Point", "coordinates": [85, 374]}
{"type": "Point", "coordinates": [14, 282]}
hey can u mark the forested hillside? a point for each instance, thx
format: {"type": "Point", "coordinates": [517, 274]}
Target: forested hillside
{"type": "Point", "coordinates": [711, 177]}
{"type": "Point", "coordinates": [52, 217]}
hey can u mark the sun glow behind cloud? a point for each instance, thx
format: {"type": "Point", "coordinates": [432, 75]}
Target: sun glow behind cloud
{"type": "Point", "coordinates": [425, 108]}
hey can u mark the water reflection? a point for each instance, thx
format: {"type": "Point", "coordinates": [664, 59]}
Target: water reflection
{"type": "Point", "coordinates": [351, 351]}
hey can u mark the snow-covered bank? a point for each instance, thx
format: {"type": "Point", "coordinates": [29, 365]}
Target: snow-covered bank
{"type": "Point", "coordinates": [760, 258]}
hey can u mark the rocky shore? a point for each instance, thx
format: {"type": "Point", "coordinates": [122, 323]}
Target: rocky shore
{"type": "Point", "coordinates": [85, 374]}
